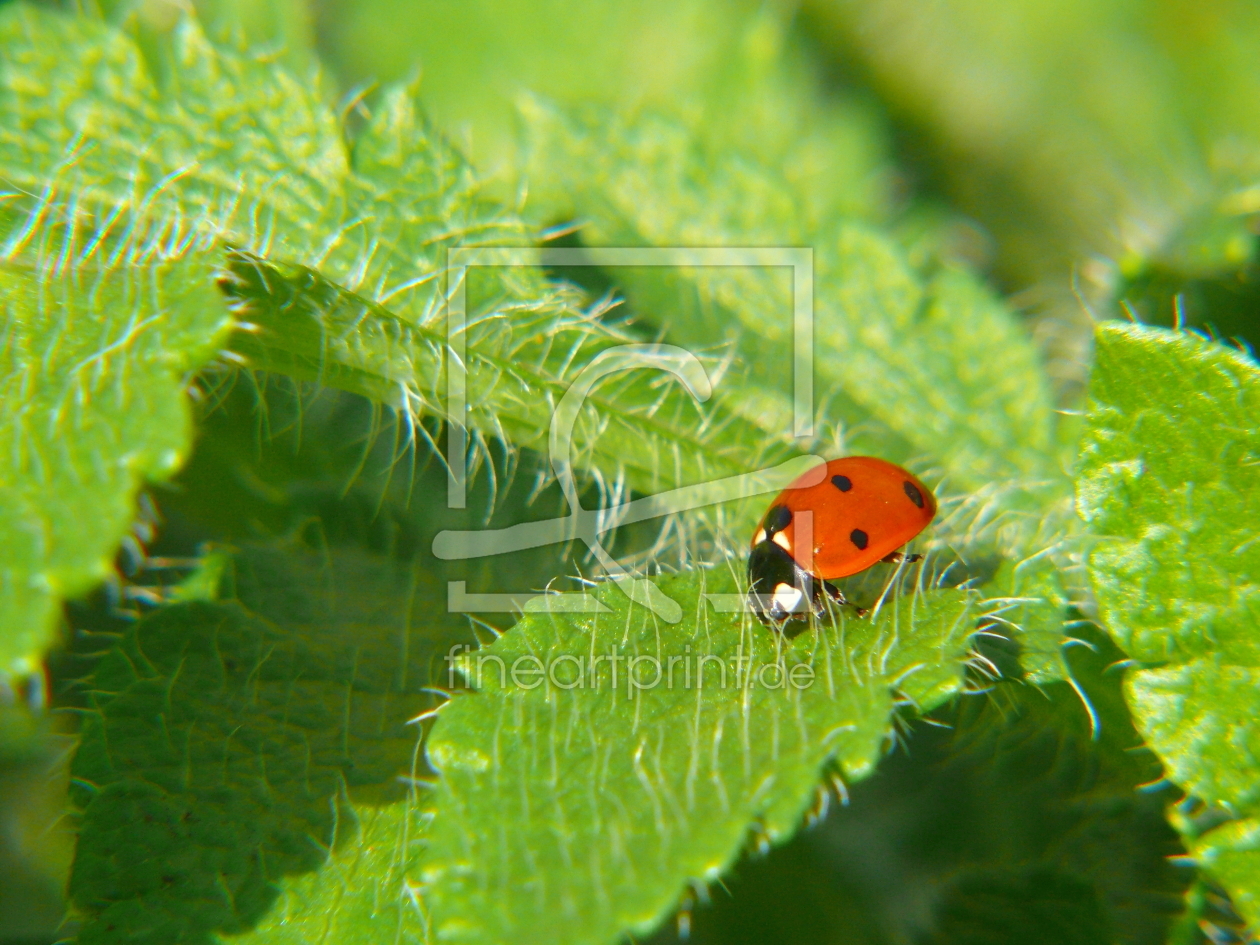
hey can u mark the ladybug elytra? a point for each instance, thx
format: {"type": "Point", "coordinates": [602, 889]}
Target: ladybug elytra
{"type": "Point", "coordinates": [862, 512]}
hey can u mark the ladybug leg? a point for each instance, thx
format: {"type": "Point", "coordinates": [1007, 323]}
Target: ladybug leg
{"type": "Point", "coordinates": [897, 557]}
{"type": "Point", "coordinates": [837, 595]}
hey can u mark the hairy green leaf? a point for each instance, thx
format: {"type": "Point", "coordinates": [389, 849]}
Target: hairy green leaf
{"type": "Point", "coordinates": [941, 362]}
{"type": "Point", "coordinates": [226, 739]}
{"type": "Point", "coordinates": [92, 404]}
{"type": "Point", "coordinates": [364, 893]}
{"type": "Point", "coordinates": [581, 790]}
{"type": "Point", "coordinates": [1169, 478]}
{"type": "Point", "coordinates": [337, 257]}
{"type": "Point", "coordinates": [640, 424]}
{"type": "Point", "coordinates": [107, 167]}
{"type": "Point", "coordinates": [104, 165]}
{"type": "Point", "coordinates": [924, 368]}
{"type": "Point", "coordinates": [930, 368]}
{"type": "Point", "coordinates": [1232, 854]}
{"type": "Point", "coordinates": [330, 469]}
{"type": "Point", "coordinates": [1029, 607]}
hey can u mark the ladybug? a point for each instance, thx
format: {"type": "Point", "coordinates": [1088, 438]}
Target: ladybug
{"type": "Point", "coordinates": [862, 511]}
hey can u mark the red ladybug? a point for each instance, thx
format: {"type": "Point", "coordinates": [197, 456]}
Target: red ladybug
{"type": "Point", "coordinates": [862, 512]}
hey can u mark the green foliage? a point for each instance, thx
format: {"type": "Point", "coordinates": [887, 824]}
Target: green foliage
{"type": "Point", "coordinates": [1232, 854]}
{"type": "Point", "coordinates": [518, 366]}
{"type": "Point", "coordinates": [1066, 127]}
{"type": "Point", "coordinates": [92, 375]}
{"type": "Point", "coordinates": [362, 895]}
{"type": "Point", "coordinates": [122, 191]}
{"type": "Point", "coordinates": [1024, 826]}
{"type": "Point", "coordinates": [735, 68]}
{"type": "Point", "coordinates": [225, 740]}
{"type": "Point", "coordinates": [113, 193]}
{"type": "Point", "coordinates": [1168, 482]}
{"type": "Point", "coordinates": [1029, 604]}
{"type": "Point", "coordinates": [573, 804]}
{"type": "Point", "coordinates": [916, 366]}
{"type": "Point", "coordinates": [233, 150]}
{"type": "Point", "coordinates": [112, 169]}
{"type": "Point", "coordinates": [245, 767]}
{"type": "Point", "coordinates": [316, 468]}
{"type": "Point", "coordinates": [1206, 273]}
{"type": "Point", "coordinates": [38, 845]}
{"type": "Point", "coordinates": [247, 733]}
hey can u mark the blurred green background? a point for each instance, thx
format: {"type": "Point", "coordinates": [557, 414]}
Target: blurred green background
{"type": "Point", "coordinates": [1088, 157]}
{"type": "Point", "coordinates": [1101, 150]}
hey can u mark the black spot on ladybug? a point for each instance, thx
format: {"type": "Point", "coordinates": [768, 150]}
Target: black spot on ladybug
{"type": "Point", "coordinates": [859, 538]}
{"type": "Point", "coordinates": [843, 483]}
{"type": "Point", "coordinates": [777, 519]}
{"type": "Point", "coordinates": [913, 492]}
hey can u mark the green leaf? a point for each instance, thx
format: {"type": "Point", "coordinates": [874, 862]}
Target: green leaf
{"type": "Point", "coordinates": [1168, 472]}
{"type": "Point", "coordinates": [1232, 854]}
{"type": "Point", "coordinates": [226, 741]}
{"type": "Point", "coordinates": [1169, 475]}
{"type": "Point", "coordinates": [642, 424]}
{"type": "Point", "coordinates": [650, 182]}
{"type": "Point", "coordinates": [990, 749]}
{"type": "Point", "coordinates": [408, 199]}
{"type": "Point", "coordinates": [574, 806]}
{"type": "Point", "coordinates": [238, 150]}
{"type": "Point", "coordinates": [92, 404]}
{"type": "Point", "coordinates": [116, 195]}
{"type": "Point", "coordinates": [105, 166]}
{"type": "Point", "coordinates": [928, 369]}
{"type": "Point", "coordinates": [1029, 606]}
{"type": "Point", "coordinates": [931, 368]}
{"type": "Point", "coordinates": [343, 264]}
{"type": "Point", "coordinates": [363, 894]}
{"type": "Point", "coordinates": [941, 362]}
{"type": "Point", "coordinates": [340, 254]}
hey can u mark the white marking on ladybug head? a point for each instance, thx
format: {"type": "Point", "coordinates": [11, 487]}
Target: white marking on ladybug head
{"type": "Point", "coordinates": [787, 597]}
{"type": "Point", "coordinates": [759, 537]}
{"type": "Point", "coordinates": [781, 539]}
